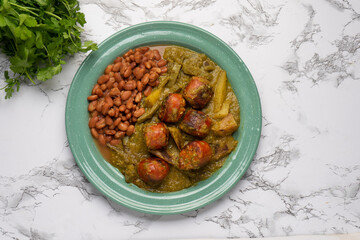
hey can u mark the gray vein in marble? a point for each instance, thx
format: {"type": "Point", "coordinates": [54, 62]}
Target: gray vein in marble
{"type": "Point", "coordinates": [253, 23]}
{"type": "Point", "coordinates": [298, 206]}
{"type": "Point", "coordinates": [118, 18]}
{"type": "Point", "coordinates": [308, 32]}
{"type": "Point", "coordinates": [333, 67]}
{"type": "Point", "coordinates": [191, 4]}
{"type": "Point", "coordinates": [342, 5]}
{"type": "Point", "coordinates": [345, 5]}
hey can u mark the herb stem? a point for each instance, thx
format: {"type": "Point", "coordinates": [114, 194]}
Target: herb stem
{"type": "Point", "coordinates": [28, 76]}
{"type": "Point", "coordinates": [54, 15]}
{"type": "Point", "coordinates": [24, 8]}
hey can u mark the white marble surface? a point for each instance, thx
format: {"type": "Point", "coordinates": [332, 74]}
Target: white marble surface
{"type": "Point", "coordinates": [305, 177]}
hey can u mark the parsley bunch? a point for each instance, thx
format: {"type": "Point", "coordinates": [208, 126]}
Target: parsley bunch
{"type": "Point", "coordinates": [37, 35]}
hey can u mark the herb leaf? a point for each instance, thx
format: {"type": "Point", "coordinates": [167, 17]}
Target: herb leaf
{"type": "Point", "coordinates": [37, 35]}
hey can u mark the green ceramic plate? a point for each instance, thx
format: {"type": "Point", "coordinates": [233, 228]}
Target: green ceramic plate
{"type": "Point", "coordinates": [108, 179]}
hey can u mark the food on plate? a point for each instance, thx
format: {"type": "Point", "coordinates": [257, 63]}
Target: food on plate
{"type": "Point", "coordinates": [115, 100]}
{"type": "Point", "coordinates": [177, 129]}
{"type": "Point", "coordinates": [225, 126]}
{"type": "Point", "coordinates": [173, 108]}
{"type": "Point", "coordinates": [220, 91]}
{"type": "Point", "coordinates": [198, 92]}
{"type": "Point", "coordinates": [196, 123]}
{"type": "Point", "coordinates": [153, 170]}
{"type": "Point", "coordinates": [195, 155]}
{"type": "Point", "coordinates": [156, 135]}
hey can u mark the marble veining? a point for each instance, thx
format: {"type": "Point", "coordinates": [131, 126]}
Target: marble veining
{"type": "Point", "coordinates": [304, 179]}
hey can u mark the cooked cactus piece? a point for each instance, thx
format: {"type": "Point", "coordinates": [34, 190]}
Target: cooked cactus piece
{"type": "Point", "coordinates": [220, 91]}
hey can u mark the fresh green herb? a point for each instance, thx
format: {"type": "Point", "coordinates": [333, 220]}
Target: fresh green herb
{"type": "Point", "coordinates": [37, 35]}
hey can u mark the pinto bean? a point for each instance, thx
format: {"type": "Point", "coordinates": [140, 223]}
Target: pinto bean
{"type": "Point", "coordinates": [94, 114]}
{"type": "Point", "coordinates": [139, 73]}
{"type": "Point", "coordinates": [121, 85]}
{"type": "Point", "coordinates": [127, 72]}
{"type": "Point", "coordinates": [164, 69]}
{"type": "Point", "coordinates": [138, 56]}
{"type": "Point", "coordinates": [109, 101]}
{"type": "Point", "coordinates": [130, 85]}
{"type": "Point", "coordinates": [147, 64]}
{"type": "Point", "coordinates": [149, 54]}
{"type": "Point", "coordinates": [132, 58]}
{"type": "Point", "coordinates": [133, 93]}
{"type": "Point", "coordinates": [102, 140]}
{"type": "Point", "coordinates": [108, 138]}
{"type": "Point", "coordinates": [116, 112]}
{"type": "Point", "coordinates": [110, 83]}
{"type": "Point", "coordinates": [103, 87]}
{"type": "Point", "coordinates": [157, 55]}
{"type": "Point", "coordinates": [116, 67]}
{"type": "Point", "coordinates": [114, 92]}
{"type": "Point", "coordinates": [139, 86]}
{"type": "Point", "coordinates": [117, 77]}
{"type": "Point", "coordinates": [92, 106]}
{"type": "Point", "coordinates": [112, 127]}
{"type": "Point", "coordinates": [108, 120]}
{"type": "Point", "coordinates": [156, 70]}
{"type": "Point", "coordinates": [94, 88]}
{"type": "Point", "coordinates": [92, 97]}
{"type": "Point", "coordinates": [99, 104]}
{"type": "Point", "coordinates": [161, 63]}
{"type": "Point", "coordinates": [108, 68]}
{"type": "Point", "coordinates": [110, 132]}
{"type": "Point", "coordinates": [138, 97]}
{"type": "Point", "coordinates": [111, 112]}
{"type": "Point", "coordinates": [122, 126]}
{"type": "Point", "coordinates": [147, 91]}
{"type": "Point", "coordinates": [139, 112]}
{"type": "Point", "coordinates": [94, 133]}
{"type": "Point", "coordinates": [117, 59]}
{"type": "Point", "coordinates": [125, 95]}
{"type": "Point", "coordinates": [130, 130]}
{"type": "Point", "coordinates": [99, 92]}
{"type": "Point", "coordinates": [145, 79]}
{"type": "Point", "coordinates": [103, 79]}
{"type": "Point", "coordinates": [119, 134]}
{"type": "Point", "coordinates": [122, 108]}
{"type": "Point", "coordinates": [117, 121]}
{"type": "Point", "coordinates": [117, 101]}
{"type": "Point", "coordinates": [115, 142]}
{"type": "Point", "coordinates": [132, 65]}
{"type": "Point", "coordinates": [144, 49]}
{"type": "Point", "coordinates": [129, 103]}
{"type": "Point", "coordinates": [100, 124]}
{"type": "Point", "coordinates": [92, 121]}
{"type": "Point", "coordinates": [105, 108]}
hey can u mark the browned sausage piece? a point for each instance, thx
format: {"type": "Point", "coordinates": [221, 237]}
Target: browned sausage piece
{"type": "Point", "coordinates": [153, 170]}
{"type": "Point", "coordinates": [173, 108]}
{"type": "Point", "coordinates": [156, 135]}
{"type": "Point", "coordinates": [195, 155]}
{"type": "Point", "coordinates": [198, 92]}
{"type": "Point", "coordinates": [196, 123]}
